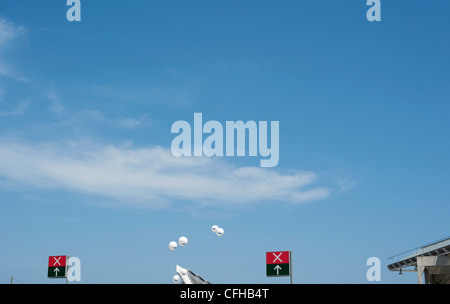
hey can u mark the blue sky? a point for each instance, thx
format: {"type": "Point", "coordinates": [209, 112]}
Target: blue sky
{"type": "Point", "coordinates": [86, 110]}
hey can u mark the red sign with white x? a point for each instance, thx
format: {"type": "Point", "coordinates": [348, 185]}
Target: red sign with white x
{"type": "Point", "coordinates": [57, 261]}
{"type": "Point", "coordinates": [278, 257]}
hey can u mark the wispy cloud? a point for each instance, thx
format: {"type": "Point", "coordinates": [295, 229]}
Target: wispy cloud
{"type": "Point", "coordinates": [95, 116]}
{"type": "Point", "coordinates": [17, 109]}
{"type": "Point", "coordinates": [154, 94]}
{"type": "Point", "coordinates": [9, 32]}
{"type": "Point", "coordinates": [173, 70]}
{"type": "Point", "coordinates": [55, 106]}
{"type": "Point", "coordinates": [239, 66]}
{"type": "Point", "coordinates": [149, 177]}
{"type": "Point", "coordinates": [11, 102]}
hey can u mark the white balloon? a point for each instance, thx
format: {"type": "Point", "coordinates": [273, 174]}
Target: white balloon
{"type": "Point", "coordinates": [176, 278]}
{"type": "Point", "coordinates": [184, 271]}
{"type": "Point", "coordinates": [183, 241]}
{"type": "Point", "coordinates": [220, 231]}
{"type": "Point", "coordinates": [214, 228]}
{"type": "Point", "coordinates": [173, 245]}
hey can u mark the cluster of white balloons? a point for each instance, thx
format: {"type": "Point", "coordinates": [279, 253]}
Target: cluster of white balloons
{"type": "Point", "coordinates": [217, 230]}
{"type": "Point", "coordinates": [182, 241]}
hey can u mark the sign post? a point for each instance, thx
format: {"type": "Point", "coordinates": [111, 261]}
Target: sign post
{"type": "Point", "coordinates": [57, 266]}
{"type": "Point", "coordinates": [279, 264]}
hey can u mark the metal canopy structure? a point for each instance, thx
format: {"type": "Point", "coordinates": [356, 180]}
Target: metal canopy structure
{"type": "Point", "coordinates": [432, 259]}
{"type": "Point", "coordinates": [189, 277]}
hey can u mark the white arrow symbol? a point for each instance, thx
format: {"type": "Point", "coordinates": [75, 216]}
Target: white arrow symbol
{"type": "Point", "coordinates": [277, 268]}
{"type": "Point", "coordinates": [56, 271]}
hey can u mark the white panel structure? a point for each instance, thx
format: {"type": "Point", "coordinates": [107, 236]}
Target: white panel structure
{"type": "Point", "coordinates": [188, 277]}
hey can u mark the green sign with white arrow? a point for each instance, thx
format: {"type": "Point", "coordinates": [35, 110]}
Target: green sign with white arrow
{"type": "Point", "coordinates": [277, 270]}
{"type": "Point", "coordinates": [57, 272]}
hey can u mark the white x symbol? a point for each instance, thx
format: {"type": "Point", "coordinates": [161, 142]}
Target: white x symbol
{"type": "Point", "coordinates": [277, 257]}
{"type": "Point", "coordinates": [56, 261]}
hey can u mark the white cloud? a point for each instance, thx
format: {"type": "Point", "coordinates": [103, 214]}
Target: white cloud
{"type": "Point", "coordinates": [18, 109]}
{"type": "Point", "coordinates": [163, 94]}
{"type": "Point", "coordinates": [173, 70]}
{"type": "Point", "coordinates": [149, 177]}
{"type": "Point", "coordinates": [126, 123]}
{"type": "Point", "coordinates": [12, 101]}
{"type": "Point", "coordinates": [55, 106]}
{"type": "Point", "coordinates": [95, 116]}
{"type": "Point", "coordinates": [8, 33]}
